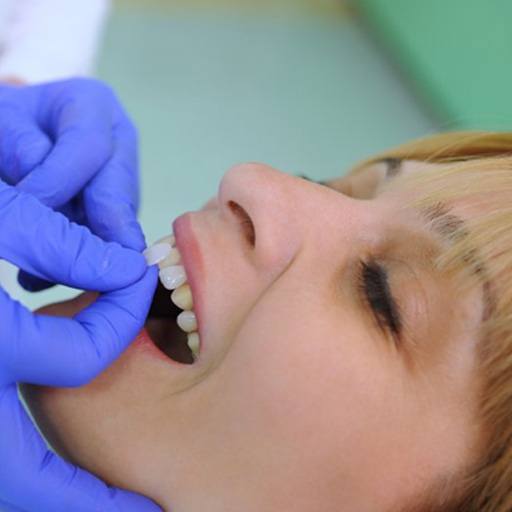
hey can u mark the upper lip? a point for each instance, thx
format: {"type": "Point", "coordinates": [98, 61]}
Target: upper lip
{"type": "Point", "coordinates": [191, 259]}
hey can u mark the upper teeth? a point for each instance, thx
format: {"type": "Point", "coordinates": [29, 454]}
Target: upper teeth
{"type": "Point", "coordinates": [182, 297]}
{"type": "Point", "coordinates": [173, 277]}
{"type": "Point", "coordinates": [157, 253]}
{"type": "Point", "coordinates": [187, 321]}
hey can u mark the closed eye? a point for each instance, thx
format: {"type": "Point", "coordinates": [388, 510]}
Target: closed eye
{"type": "Point", "coordinates": [374, 288]}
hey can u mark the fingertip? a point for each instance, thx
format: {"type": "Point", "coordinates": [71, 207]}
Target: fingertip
{"type": "Point", "coordinates": [146, 287]}
{"type": "Point", "coordinates": [133, 237]}
{"type": "Point", "coordinates": [137, 242]}
{"type": "Point", "coordinates": [129, 501]}
{"type": "Point", "coordinates": [152, 275]}
{"type": "Point", "coordinates": [120, 267]}
{"type": "Point", "coordinates": [130, 235]}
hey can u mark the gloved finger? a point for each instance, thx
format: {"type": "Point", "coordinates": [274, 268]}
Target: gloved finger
{"type": "Point", "coordinates": [111, 199]}
{"type": "Point", "coordinates": [63, 352]}
{"type": "Point", "coordinates": [34, 478]}
{"type": "Point", "coordinates": [83, 144]}
{"type": "Point", "coordinates": [73, 210]}
{"type": "Point", "coordinates": [23, 145]}
{"type": "Point", "coordinates": [46, 244]}
{"type": "Point", "coordinates": [6, 507]}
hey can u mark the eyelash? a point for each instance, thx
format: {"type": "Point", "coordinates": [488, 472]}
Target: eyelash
{"type": "Point", "coordinates": [374, 289]}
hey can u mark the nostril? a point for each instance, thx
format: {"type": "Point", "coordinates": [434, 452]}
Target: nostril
{"type": "Point", "coordinates": [245, 222]}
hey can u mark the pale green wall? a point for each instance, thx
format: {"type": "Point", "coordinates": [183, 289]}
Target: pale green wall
{"type": "Point", "coordinates": [455, 53]}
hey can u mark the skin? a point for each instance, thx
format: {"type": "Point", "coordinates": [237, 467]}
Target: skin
{"type": "Point", "coordinates": [300, 401]}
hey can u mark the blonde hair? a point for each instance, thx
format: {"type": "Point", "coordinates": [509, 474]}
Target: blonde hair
{"type": "Point", "coordinates": [474, 168]}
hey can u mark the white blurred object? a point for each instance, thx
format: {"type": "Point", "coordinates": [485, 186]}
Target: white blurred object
{"type": "Point", "coordinates": [46, 40]}
{"type": "Point", "coordinates": [8, 279]}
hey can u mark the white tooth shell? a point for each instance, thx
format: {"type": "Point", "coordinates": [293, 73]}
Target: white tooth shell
{"type": "Point", "coordinates": [157, 253]}
{"type": "Point", "coordinates": [169, 239]}
{"type": "Point", "coordinates": [193, 342]}
{"type": "Point", "coordinates": [186, 320]}
{"type": "Point", "coordinates": [173, 276]}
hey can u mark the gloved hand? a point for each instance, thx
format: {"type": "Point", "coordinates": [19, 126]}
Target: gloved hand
{"type": "Point", "coordinates": [61, 351]}
{"type": "Point", "coordinates": [72, 146]}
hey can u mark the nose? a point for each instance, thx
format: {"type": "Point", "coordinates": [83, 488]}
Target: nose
{"type": "Point", "coordinates": [266, 202]}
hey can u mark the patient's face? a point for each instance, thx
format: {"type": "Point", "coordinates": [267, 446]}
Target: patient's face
{"type": "Point", "coordinates": [303, 397]}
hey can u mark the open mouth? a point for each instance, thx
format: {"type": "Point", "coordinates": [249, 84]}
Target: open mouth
{"type": "Point", "coordinates": [163, 330]}
{"type": "Point", "coordinates": [171, 322]}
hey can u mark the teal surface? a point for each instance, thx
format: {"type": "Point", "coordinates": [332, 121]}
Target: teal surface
{"type": "Point", "coordinates": [208, 89]}
{"type": "Point", "coordinates": [456, 53]}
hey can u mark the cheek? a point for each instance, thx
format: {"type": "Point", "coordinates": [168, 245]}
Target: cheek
{"type": "Point", "coordinates": [309, 394]}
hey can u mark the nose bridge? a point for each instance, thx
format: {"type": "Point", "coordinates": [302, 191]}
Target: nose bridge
{"type": "Point", "coordinates": [287, 211]}
{"type": "Point", "coordinates": [257, 187]}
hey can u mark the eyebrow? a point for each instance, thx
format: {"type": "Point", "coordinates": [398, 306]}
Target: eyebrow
{"type": "Point", "coordinates": [443, 222]}
{"type": "Point", "coordinates": [450, 227]}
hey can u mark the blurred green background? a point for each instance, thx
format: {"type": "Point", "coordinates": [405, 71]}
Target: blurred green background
{"type": "Point", "coordinates": [307, 86]}
{"type": "Point", "coordinates": [297, 85]}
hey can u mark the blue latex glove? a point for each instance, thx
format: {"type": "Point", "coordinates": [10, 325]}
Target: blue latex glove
{"type": "Point", "coordinates": [61, 351]}
{"type": "Point", "coordinates": [72, 146]}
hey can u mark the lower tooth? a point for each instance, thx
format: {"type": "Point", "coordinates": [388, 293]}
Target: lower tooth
{"type": "Point", "coordinates": [193, 342]}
